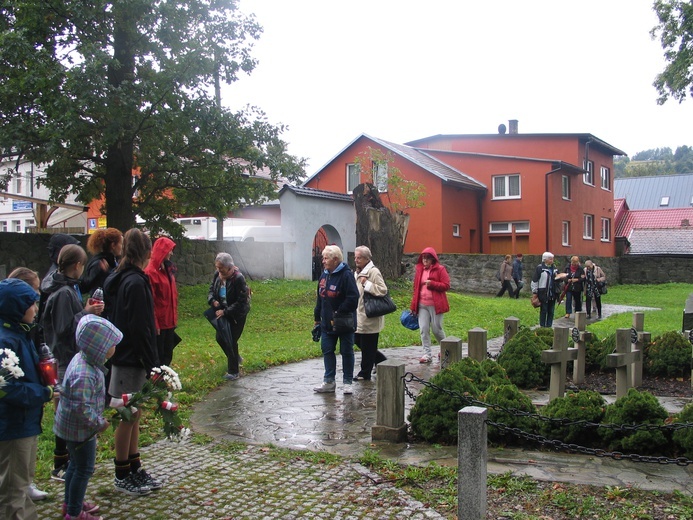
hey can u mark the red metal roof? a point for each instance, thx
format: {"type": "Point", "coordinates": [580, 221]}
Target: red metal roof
{"type": "Point", "coordinates": [653, 219]}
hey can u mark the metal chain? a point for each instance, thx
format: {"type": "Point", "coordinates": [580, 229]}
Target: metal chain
{"type": "Point", "coordinates": [557, 444]}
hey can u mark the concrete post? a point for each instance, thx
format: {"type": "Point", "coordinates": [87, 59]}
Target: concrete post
{"type": "Point", "coordinates": [642, 339]}
{"type": "Point", "coordinates": [511, 325]}
{"type": "Point", "coordinates": [389, 403]}
{"type": "Point", "coordinates": [478, 344]}
{"type": "Point", "coordinates": [558, 357]}
{"type": "Point", "coordinates": [472, 458]}
{"type": "Point", "coordinates": [450, 351]}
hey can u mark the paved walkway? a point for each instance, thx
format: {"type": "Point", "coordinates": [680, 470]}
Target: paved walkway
{"type": "Point", "coordinates": [278, 406]}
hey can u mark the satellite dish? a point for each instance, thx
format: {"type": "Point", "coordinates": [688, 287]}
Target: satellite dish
{"type": "Point", "coordinates": [501, 129]}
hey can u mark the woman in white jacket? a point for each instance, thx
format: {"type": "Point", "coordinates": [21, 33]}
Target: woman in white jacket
{"type": "Point", "coordinates": [370, 280]}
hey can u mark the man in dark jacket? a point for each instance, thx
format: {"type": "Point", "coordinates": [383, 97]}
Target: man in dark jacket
{"type": "Point", "coordinates": [337, 298]}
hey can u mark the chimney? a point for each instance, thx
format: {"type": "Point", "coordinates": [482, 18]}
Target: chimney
{"type": "Point", "coordinates": [685, 223]}
{"type": "Point", "coordinates": [512, 126]}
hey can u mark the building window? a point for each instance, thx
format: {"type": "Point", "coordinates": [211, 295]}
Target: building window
{"type": "Point", "coordinates": [17, 226]}
{"type": "Point", "coordinates": [664, 201]}
{"type": "Point", "coordinates": [588, 176]}
{"type": "Point", "coordinates": [507, 227]}
{"type": "Point", "coordinates": [606, 230]}
{"type": "Point", "coordinates": [588, 231]}
{"type": "Point", "coordinates": [18, 183]}
{"type": "Point", "coordinates": [380, 176]}
{"type": "Point", "coordinates": [566, 187]}
{"type": "Point", "coordinates": [353, 177]}
{"type": "Point", "coordinates": [455, 230]}
{"type": "Point", "coordinates": [506, 186]}
{"type": "Point", "coordinates": [565, 233]}
{"type": "Point", "coordinates": [605, 175]}
{"type": "Point", "coordinates": [3, 226]}
{"type": "Point", "coordinates": [29, 224]}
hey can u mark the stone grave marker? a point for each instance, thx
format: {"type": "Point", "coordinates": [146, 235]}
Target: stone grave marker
{"type": "Point", "coordinates": [622, 360]}
{"type": "Point", "coordinates": [558, 357]}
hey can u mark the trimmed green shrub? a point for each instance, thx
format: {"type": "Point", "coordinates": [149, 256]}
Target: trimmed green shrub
{"type": "Point", "coordinates": [668, 355]}
{"type": "Point", "coordinates": [510, 397]}
{"type": "Point", "coordinates": [633, 409]}
{"type": "Point", "coordinates": [596, 352]}
{"type": "Point", "coordinates": [683, 438]}
{"type": "Point", "coordinates": [586, 406]}
{"type": "Point", "coordinates": [521, 357]}
{"type": "Point", "coordinates": [434, 415]}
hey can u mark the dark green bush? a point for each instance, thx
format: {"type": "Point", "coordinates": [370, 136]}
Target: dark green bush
{"type": "Point", "coordinates": [668, 355]}
{"type": "Point", "coordinates": [509, 397]}
{"type": "Point", "coordinates": [434, 415]}
{"type": "Point", "coordinates": [586, 406]}
{"type": "Point", "coordinates": [521, 357]}
{"type": "Point", "coordinates": [683, 439]}
{"type": "Point", "coordinates": [633, 409]}
{"type": "Point", "coordinates": [597, 351]}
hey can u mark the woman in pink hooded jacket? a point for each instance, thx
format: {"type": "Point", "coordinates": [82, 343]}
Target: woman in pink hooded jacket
{"type": "Point", "coordinates": [430, 302]}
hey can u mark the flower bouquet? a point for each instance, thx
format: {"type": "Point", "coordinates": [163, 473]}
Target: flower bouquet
{"type": "Point", "coordinates": [157, 394]}
{"type": "Point", "coordinates": [9, 368]}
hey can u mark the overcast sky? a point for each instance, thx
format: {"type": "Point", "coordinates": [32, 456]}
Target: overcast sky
{"type": "Point", "coordinates": [401, 70]}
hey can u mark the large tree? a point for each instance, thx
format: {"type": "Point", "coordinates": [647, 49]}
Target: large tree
{"type": "Point", "coordinates": [97, 89]}
{"type": "Point", "coordinates": [675, 32]}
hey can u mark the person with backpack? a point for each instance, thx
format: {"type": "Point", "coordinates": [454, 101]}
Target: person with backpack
{"type": "Point", "coordinates": [545, 287]}
{"type": "Point", "coordinates": [229, 301]}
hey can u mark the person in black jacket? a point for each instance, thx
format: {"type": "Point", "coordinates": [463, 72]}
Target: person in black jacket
{"type": "Point", "coordinates": [229, 300]}
{"type": "Point", "coordinates": [130, 307]}
{"type": "Point", "coordinates": [337, 294]}
{"type": "Point", "coordinates": [575, 280]}
{"type": "Point", "coordinates": [106, 245]}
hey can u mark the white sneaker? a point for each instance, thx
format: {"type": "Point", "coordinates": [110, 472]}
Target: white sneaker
{"type": "Point", "coordinates": [325, 388]}
{"type": "Point", "coordinates": [36, 494]}
{"type": "Point", "coordinates": [425, 359]}
{"type": "Point", "coordinates": [348, 388]}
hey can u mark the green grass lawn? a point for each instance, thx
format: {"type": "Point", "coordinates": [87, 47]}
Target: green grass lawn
{"type": "Point", "coordinates": [279, 325]}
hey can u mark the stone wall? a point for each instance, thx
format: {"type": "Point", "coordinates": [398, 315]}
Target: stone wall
{"type": "Point", "coordinates": [261, 260]}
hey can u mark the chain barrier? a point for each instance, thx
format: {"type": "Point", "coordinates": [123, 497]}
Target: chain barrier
{"type": "Point", "coordinates": [558, 445]}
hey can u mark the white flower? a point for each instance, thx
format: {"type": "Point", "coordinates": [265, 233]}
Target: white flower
{"type": "Point", "coordinates": [9, 366]}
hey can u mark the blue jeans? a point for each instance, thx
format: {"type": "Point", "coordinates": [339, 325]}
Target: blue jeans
{"type": "Point", "coordinates": [573, 299]}
{"type": "Point", "coordinates": [328, 344]}
{"type": "Point", "coordinates": [79, 471]}
{"type": "Point", "coordinates": [546, 313]}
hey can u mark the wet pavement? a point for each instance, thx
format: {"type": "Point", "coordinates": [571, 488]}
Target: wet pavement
{"type": "Point", "coordinates": [277, 406]}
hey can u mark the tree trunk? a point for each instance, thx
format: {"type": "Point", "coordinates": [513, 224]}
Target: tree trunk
{"type": "Point", "coordinates": [381, 231]}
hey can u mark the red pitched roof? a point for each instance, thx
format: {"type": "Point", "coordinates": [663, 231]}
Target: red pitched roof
{"type": "Point", "coordinates": [654, 219]}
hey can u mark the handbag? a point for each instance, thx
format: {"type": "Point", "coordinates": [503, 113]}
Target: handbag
{"type": "Point", "coordinates": [408, 320]}
{"type": "Point", "coordinates": [378, 305]}
{"type": "Point", "coordinates": [535, 300]}
{"type": "Point", "coordinates": [343, 322]}
{"type": "Point", "coordinates": [601, 287]}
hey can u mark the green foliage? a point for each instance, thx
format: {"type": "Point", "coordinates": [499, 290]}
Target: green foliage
{"type": "Point", "coordinates": [683, 438]}
{"type": "Point", "coordinates": [120, 85]}
{"type": "Point", "coordinates": [521, 357]}
{"type": "Point", "coordinates": [668, 355]}
{"type": "Point", "coordinates": [509, 397]}
{"type": "Point", "coordinates": [674, 30]}
{"type": "Point", "coordinates": [433, 417]}
{"type": "Point", "coordinates": [635, 408]}
{"type": "Point", "coordinates": [597, 351]}
{"type": "Point", "coordinates": [585, 406]}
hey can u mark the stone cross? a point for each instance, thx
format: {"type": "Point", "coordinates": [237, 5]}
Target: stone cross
{"type": "Point", "coordinates": [450, 351]}
{"type": "Point", "coordinates": [642, 339]}
{"type": "Point", "coordinates": [580, 336]}
{"type": "Point", "coordinates": [558, 357]}
{"type": "Point", "coordinates": [389, 403]}
{"type": "Point", "coordinates": [622, 360]}
{"type": "Point", "coordinates": [478, 344]}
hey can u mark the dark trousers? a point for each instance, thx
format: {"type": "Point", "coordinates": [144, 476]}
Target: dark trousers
{"type": "Point", "coordinates": [165, 343]}
{"type": "Point", "coordinates": [546, 313]}
{"type": "Point", "coordinates": [230, 348]}
{"type": "Point", "coordinates": [597, 301]}
{"type": "Point", "coordinates": [370, 355]}
{"type": "Point", "coordinates": [506, 286]}
{"type": "Point", "coordinates": [517, 287]}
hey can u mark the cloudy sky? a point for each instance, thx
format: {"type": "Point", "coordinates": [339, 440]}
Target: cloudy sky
{"type": "Point", "coordinates": [401, 70]}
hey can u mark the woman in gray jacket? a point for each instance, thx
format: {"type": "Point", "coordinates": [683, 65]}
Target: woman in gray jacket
{"type": "Point", "coordinates": [370, 280]}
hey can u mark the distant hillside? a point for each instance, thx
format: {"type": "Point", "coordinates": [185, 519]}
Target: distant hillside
{"type": "Point", "coordinates": [659, 161]}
